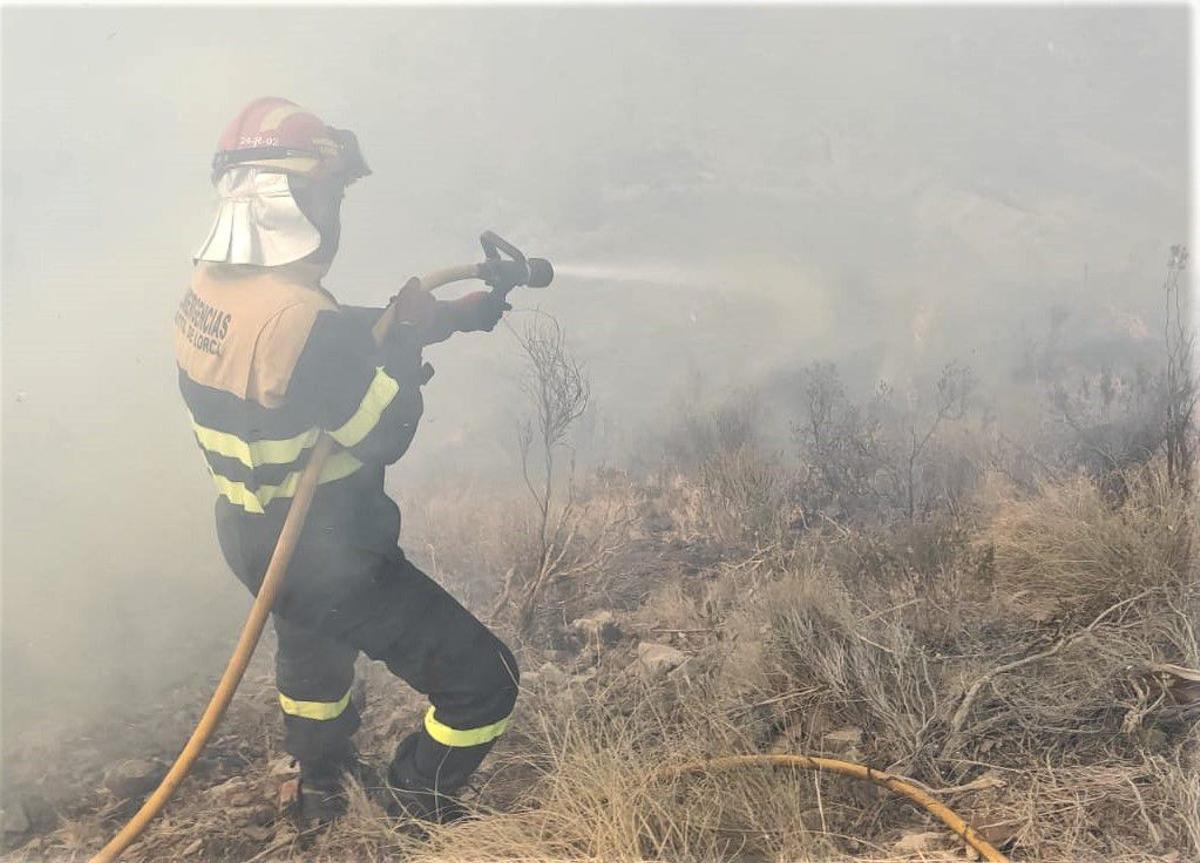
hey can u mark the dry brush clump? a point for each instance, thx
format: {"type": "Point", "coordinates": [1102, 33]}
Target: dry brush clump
{"type": "Point", "coordinates": [1110, 598]}
{"type": "Point", "coordinates": [736, 498]}
{"type": "Point", "coordinates": [1092, 639]}
{"type": "Point", "coordinates": [597, 789]}
{"type": "Point", "coordinates": [1068, 551]}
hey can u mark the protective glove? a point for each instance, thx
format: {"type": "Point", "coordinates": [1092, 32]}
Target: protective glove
{"type": "Point", "coordinates": [414, 310]}
{"type": "Point", "coordinates": [414, 305]}
{"type": "Point", "coordinates": [478, 311]}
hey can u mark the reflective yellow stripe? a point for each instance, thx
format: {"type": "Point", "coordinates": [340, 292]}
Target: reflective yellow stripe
{"type": "Point", "coordinates": [448, 736]}
{"type": "Point", "coordinates": [378, 396]}
{"type": "Point", "coordinates": [337, 466]}
{"type": "Point", "coordinates": [254, 453]}
{"type": "Point", "coordinates": [314, 709]}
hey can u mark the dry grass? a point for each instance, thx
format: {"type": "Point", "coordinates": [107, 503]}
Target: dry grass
{"type": "Point", "coordinates": [1008, 657]}
{"type": "Point", "coordinates": [901, 650]}
{"type": "Point", "coordinates": [1068, 550]}
{"type": "Point", "coordinates": [596, 793]}
{"type": "Point", "coordinates": [907, 651]}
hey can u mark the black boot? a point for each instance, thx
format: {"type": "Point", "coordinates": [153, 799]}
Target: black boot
{"type": "Point", "coordinates": [322, 793]}
{"type": "Point", "coordinates": [416, 796]}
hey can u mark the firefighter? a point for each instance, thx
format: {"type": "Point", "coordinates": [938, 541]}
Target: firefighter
{"type": "Point", "coordinates": [268, 360]}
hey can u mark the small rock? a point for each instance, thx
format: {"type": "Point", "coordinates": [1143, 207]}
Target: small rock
{"type": "Point", "coordinates": [1000, 834]}
{"type": "Point", "coordinates": [598, 628]}
{"type": "Point", "coordinates": [14, 818]}
{"type": "Point", "coordinates": [658, 659]}
{"type": "Point", "coordinates": [989, 779]}
{"type": "Point", "coordinates": [916, 843]}
{"type": "Point", "coordinates": [843, 739]}
{"type": "Point", "coordinates": [234, 791]}
{"type": "Point", "coordinates": [594, 622]}
{"type": "Point", "coordinates": [284, 766]}
{"type": "Point", "coordinates": [134, 777]}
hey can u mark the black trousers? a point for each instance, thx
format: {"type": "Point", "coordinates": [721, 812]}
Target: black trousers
{"type": "Point", "coordinates": [341, 597]}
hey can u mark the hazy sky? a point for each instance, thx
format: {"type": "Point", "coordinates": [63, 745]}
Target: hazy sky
{"type": "Point", "coordinates": [772, 186]}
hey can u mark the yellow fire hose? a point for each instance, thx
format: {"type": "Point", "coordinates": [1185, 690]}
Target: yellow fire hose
{"type": "Point", "coordinates": [248, 640]}
{"type": "Point", "coordinates": [901, 786]}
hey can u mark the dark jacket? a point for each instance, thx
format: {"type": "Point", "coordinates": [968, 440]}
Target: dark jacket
{"type": "Point", "coordinates": [267, 361]}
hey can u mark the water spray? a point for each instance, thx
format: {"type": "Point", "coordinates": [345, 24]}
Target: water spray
{"type": "Point", "coordinates": [655, 273]}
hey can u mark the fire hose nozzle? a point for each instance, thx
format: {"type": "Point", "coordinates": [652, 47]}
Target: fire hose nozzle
{"type": "Point", "coordinates": [541, 273]}
{"type": "Point", "coordinates": [504, 274]}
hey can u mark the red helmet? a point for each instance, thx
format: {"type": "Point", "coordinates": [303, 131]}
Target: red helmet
{"type": "Point", "coordinates": [274, 133]}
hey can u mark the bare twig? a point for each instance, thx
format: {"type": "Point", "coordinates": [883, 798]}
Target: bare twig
{"type": "Point", "coordinates": [559, 392]}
